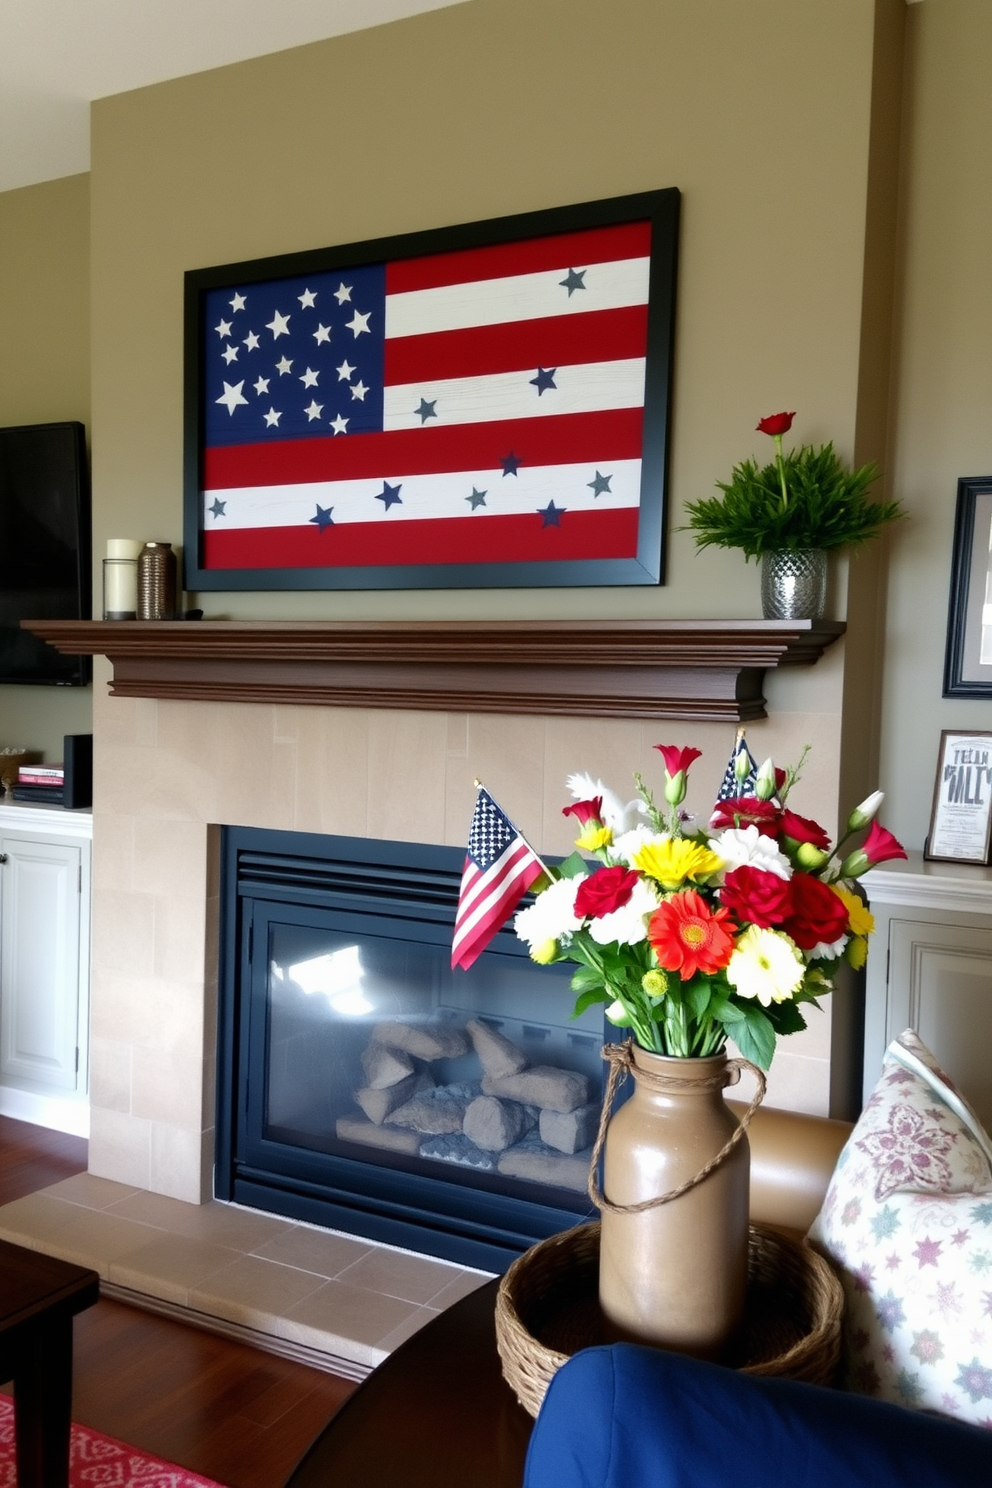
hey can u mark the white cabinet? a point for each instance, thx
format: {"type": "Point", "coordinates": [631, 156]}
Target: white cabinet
{"type": "Point", "coordinates": [930, 968]}
{"type": "Point", "coordinates": [44, 964]}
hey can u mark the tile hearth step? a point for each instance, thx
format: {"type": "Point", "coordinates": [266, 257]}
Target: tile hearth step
{"type": "Point", "coordinates": [330, 1300]}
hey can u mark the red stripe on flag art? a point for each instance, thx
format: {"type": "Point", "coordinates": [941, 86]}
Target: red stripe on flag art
{"type": "Point", "coordinates": [497, 385]}
{"type": "Point", "coordinates": [500, 867]}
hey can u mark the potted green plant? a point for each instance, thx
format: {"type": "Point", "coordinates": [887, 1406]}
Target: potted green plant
{"type": "Point", "coordinates": [791, 514]}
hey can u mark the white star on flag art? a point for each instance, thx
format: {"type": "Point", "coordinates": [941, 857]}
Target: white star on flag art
{"type": "Point", "coordinates": [484, 405]}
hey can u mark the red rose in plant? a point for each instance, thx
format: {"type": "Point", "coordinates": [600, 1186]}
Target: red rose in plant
{"type": "Point", "coordinates": [604, 891]}
{"type": "Point", "coordinates": [746, 811]}
{"type": "Point", "coordinates": [756, 897]}
{"type": "Point", "coordinates": [677, 759]}
{"type": "Point", "coordinates": [801, 829]}
{"type": "Point", "coordinates": [585, 811]}
{"type": "Point", "coordinates": [818, 914]}
{"type": "Point", "coordinates": [776, 423]}
{"type": "Point", "coordinates": [880, 846]}
{"type": "Point", "coordinates": [688, 936]}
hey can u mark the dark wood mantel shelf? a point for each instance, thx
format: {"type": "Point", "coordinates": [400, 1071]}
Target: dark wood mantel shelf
{"type": "Point", "coordinates": [691, 669]}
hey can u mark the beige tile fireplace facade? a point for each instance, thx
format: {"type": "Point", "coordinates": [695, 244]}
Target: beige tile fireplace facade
{"type": "Point", "coordinates": [167, 774]}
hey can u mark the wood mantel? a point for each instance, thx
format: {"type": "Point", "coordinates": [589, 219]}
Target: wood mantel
{"type": "Point", "coordinates": [690, 669]}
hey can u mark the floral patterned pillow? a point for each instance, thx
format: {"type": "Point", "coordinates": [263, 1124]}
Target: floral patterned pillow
{"type": "Point", "coordinates": [907, 1224]}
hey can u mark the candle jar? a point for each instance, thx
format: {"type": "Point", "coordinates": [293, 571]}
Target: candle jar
{"type": "Point", "coordinates": [120, 587]}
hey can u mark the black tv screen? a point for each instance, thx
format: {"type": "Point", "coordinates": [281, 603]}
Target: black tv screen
{"type": "Point", "coordinates": [44, 548]}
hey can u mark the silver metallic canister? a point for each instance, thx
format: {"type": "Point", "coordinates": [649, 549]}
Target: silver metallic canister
{"type": "Point", "coordinates": [157, 579]}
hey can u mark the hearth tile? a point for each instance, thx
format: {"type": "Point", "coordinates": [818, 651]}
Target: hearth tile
{"type": "Point", "coordinates": [253, 1292]}
{"type": "Point", "coordinates": [88, 1237]}
{"type": "Point", "coordinates": [391, 1273]}
{"type": "Point", "coordinates": [90, 1191]}
{"type": "Point", "coordinates": [120, 1146]}
{"type": "Point", "coordinates": [458, 1287]}
{"type": "Point", "coordinates": [168, 1266]}
{"type": "Point", "coordinates": [338, 1314]}
{"type": "Point", "coordinates": [309, 1249]}
{"type": "Point", "coordinates": [220, 1224]}
{"type": "Point", "coordinates": [413, 1324]}
{"type": "Point", "coordinates": [405, 761]}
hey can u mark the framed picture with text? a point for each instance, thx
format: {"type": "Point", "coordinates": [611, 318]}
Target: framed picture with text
{"type": "Point", "coordinates": [961, 817]}
{"type": "Point", "coordinates": [475, 406]}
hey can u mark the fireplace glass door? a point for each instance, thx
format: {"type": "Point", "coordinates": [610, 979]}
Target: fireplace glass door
{"type": "Point", "coordinates": [375, 1089]}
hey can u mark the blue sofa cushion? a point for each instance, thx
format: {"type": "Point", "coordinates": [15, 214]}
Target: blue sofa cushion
{"type": "Point", "coordinates": [631, 1417]}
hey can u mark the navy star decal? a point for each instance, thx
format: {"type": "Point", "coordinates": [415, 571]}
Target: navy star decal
{"type": "Point", "coordinates": [390, 495]}
{"type": "Point", "coordinates": [322, 519]}
{"type": "Point", "coordinates": [573, 280]}
{"type": "Point", "coordinates": [544, 380]}
{"type": "Point", "coordinates": [601, 485]}
{"type": "Point", "coordinates": [426, 410]}
{"type": "Point", "coordinates": [477, 498]}
{"type": "Point", "coordinates": [551, 514]}
{"type": "Point", "coordinates": [511, 463]}
{"type": "Point", "coordinates": [219, 507]}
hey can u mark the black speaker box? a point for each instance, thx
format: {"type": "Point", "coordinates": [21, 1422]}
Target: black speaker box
{"type": "Point", "coordinates": [77, 756]}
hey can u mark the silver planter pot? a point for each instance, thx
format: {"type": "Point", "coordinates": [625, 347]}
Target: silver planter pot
{"type": "Point", "coordinates": [794, 584]}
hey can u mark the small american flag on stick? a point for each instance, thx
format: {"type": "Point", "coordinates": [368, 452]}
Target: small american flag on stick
{"type": "Point", "coordinates": [741, 774]}
{"type": "Point", "coordinates": [500, 867]}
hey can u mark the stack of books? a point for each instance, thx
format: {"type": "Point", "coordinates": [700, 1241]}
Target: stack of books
{"type": "Point", "coordinates": [40, 783]}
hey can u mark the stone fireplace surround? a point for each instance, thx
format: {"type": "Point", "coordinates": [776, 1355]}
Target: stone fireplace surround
{"type": "Point", "coordinates": [179, 751]}
{"type": "Point", "coordinates": [214, 723]}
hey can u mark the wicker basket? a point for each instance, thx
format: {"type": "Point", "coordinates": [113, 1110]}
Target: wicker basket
{"type": "Point", "coordinates": [547, 1309]}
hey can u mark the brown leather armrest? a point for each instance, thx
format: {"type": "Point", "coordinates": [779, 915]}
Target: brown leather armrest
{"type": "Point", "coordinates": [792, 1158]}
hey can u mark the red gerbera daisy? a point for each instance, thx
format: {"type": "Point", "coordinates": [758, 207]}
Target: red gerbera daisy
{"type": "Point", "coordinates": [688, 936]}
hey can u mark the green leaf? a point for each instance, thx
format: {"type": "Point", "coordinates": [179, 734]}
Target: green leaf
{"type": "Point", "coordinates": [576, 866]}
{"type": "Point", "coordinates": [698, 996]}
{"type": "Point", "coordinates": [726, 1012]}
{"type": "Point", "coordinates": [785, 1017]}
{"type": "Point", "coordinates": [584, 977]}
{"type": "Point", "coordinates": [589, 999]}
{"type": "Point", "coordinates": [755, 1037]}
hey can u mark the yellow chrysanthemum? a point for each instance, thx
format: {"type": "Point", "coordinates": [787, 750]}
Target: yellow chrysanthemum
{"type": "Point", "coordinates": [856, 952]}
{"type": "Point", "coordinates": [861, 920]}
{"type": "Point", "coordinates": [594, 837]}
{"type": "Point", "coordinates": [674, 860]}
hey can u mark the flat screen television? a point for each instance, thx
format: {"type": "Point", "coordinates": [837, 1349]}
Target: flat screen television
{"type": "Point", "coordinates": [44, 548]}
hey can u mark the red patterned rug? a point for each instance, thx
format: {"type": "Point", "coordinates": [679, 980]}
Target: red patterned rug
{"type": "Point", "coordinates": [97, 1461]}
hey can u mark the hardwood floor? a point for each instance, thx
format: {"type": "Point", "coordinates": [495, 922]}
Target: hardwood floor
{"type": "Point", "coordinates": [219, 1408]}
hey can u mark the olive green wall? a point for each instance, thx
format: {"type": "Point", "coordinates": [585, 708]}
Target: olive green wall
{"type": "Point", "coordinates": [44, 377]}
{"type": "Point", "coordinates": [943, 413]}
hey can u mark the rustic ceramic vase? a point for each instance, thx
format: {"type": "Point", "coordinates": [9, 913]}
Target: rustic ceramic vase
{"type": "Point", "coordinates": [675, 1275]}
{"type": "Point", "coordinates": [794, 584]}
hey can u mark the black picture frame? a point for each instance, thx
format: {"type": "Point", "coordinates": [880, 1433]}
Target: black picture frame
{"type": "Point", "coordinates": [961, 811]}
{"type": "Point", "coordinates": [966, 673]}
{"type": "Point", "coordinates": [467, 560]}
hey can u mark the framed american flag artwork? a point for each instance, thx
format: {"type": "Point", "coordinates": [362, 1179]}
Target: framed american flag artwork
{"type": "Point", "coordinates": [479, 406]}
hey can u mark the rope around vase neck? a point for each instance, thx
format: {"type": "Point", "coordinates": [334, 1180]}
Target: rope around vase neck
{"type": "Point", "coordinates": [620, 1058]}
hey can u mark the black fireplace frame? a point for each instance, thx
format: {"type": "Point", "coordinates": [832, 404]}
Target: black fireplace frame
{"type": "Point", "coordinates": [461, 1224]}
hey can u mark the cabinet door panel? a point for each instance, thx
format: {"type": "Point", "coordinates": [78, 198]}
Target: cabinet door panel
{"type": "Point", "coordinates": [940, 983]}
{"type": "Point", "coordinates": [39, 962]}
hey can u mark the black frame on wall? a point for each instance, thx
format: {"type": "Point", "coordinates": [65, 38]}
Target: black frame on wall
{"type": "Point", "coordinates": [966, 675]}
{"type": "Point", "coordinates": [447, 568]}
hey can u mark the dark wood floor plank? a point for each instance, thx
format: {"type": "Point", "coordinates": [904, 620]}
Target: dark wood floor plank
{"type": "Point", "coordinates": [220, 1408]}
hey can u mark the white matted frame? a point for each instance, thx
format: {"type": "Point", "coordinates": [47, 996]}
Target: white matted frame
{"type": "Point", "coordinates": [961, 816]}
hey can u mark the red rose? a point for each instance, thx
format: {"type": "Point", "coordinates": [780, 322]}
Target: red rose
{"type": "Point", "coordinates": [801, 829]}
{"type": "Point", "coordinates": [776, 423]}
{"type": "Point", "coordinates": [677, 759]}
{"type": "Point", "coordinates": [585, 811]}
{"type": "Point", "coordinates": [746, 811]}
{"type": "Point", "coordinates": [880, 845]}
{"type": "Point", "coordinates": [818, 914]}
{"type": "Point", "coordinates": [604, 891]}
{"type": "Point", "coordinates": [757, 897]}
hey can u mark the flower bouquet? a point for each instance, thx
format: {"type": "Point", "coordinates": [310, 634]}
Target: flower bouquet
{"type": "Point", "coordinates": [695, 934]}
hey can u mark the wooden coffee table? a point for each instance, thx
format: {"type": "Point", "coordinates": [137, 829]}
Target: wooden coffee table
{"type": "Point", "coordinates": [436, 1414]}
{"type": "Point", "coordinates": [39, 1297]}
